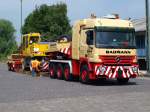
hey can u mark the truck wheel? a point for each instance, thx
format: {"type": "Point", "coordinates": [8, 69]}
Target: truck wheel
{"type": "Point", "coordinates": [59, 72]}
{"type": "Point", "coordinates": [123, 81]}
{"type": "Point", "coordinates": [52, 71]}
{"type": "Point", "coordinates": [84, 74]}
{"type": "Point", "coordinates": [67, 74]}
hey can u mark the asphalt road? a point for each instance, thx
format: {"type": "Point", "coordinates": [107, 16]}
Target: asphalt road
{"type": "Point", "coordinates": [23, 93]}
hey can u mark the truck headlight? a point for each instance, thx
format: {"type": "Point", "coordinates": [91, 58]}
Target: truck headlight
{"type": "Point", "coordinates": [102, 70]}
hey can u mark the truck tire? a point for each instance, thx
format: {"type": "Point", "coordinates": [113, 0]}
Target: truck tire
{"type": "Point", "coordinates": [123, 81]}
{"type": "Point", "coordinates": [59, 71]}
{"type": "Point", "coordinates": [52, 71]}
{"type": "Point", "coordinates": [67, 74]}
{"type": "Point", "coordinates": [84, 74]}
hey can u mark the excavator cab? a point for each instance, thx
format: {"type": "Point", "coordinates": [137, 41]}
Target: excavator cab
{"type": "Point", "coordinates": [28, 40]}
{"type": "Point", "coordinates": [27, 43]}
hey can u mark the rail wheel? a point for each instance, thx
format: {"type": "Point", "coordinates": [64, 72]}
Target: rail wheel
{"type": "Point", "coordinates": [67, 74]}
{"type": "Point", "coordinates": [59, 72]}
{"type": "Point", "coordinates": [84, 74]}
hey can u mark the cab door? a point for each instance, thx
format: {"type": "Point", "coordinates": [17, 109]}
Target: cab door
{"type": "Point", "coordinates": [24, 44]}
{"type": "Point", "coordinates": [86, 43]}
{"type": "Point", "coordinates": [90, 43]}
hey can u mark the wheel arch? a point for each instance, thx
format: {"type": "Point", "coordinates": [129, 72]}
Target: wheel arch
{"type": "Point", "coordinates": [85, 61]}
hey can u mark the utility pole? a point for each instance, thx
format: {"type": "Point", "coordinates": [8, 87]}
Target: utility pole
{"type": "Point", "coordinates": [147, 36]}
{"type": "Point", "coordinates": [21, 17]}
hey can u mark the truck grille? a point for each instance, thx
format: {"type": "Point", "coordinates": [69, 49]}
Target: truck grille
{"type": "Point", "coordinates": [117, 60]}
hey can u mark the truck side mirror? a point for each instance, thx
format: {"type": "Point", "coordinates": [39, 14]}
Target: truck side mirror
{"type": "Point", "coordinates": [90, 39]}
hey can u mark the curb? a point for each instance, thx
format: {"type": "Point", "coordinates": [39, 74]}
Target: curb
{"type": "Point", "coordinates": [147, 75]}
{"type": "Point", "coordinates": [144, 73]}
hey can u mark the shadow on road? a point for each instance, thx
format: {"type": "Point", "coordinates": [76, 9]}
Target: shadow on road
{"type": "Point", "coordinates": [100, 82]}
{"type": "Point", "coordinates": [109, 83]}
{"type": "Point", "coordinates": [104, 82]}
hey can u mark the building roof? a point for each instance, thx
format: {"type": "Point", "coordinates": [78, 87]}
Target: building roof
{"type": "Point", "coordinates": [139, 24]}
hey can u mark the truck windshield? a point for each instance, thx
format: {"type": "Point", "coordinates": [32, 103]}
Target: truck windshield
{"type": "Point", "coordinates": [115, 39]}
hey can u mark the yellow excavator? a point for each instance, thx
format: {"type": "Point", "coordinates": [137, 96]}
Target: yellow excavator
{"type": "Point", "coordinates": [32, 47]}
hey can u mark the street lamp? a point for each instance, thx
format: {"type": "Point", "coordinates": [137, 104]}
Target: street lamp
{"type": "Point", "coordinates": [147, 35]}
{"type": "Point", "coordinates": [21, 17]}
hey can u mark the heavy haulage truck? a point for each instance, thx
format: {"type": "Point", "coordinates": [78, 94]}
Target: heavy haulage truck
{"type": "Point", "coordinates": [100, 48]}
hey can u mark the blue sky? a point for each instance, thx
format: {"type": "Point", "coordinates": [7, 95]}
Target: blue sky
{"type": "Point", "coordinates": [77, 9]}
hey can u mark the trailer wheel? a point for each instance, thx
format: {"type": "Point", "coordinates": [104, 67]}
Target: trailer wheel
{"type": "Point", "coordinates": [13, 68]}
{"type": "Point", "coordinates": [67, 74]}
{"type": "Point", "coordinates": [123, 81]}
{"type": "Point", "coordinates": [59, 71]}
{"type": "Point", "coordinates": [52, 71]}
{"type": "Point", "coordinates": [16, 69]}
{"type": "Point", "coordinates": [9, 68]}
{"type": "Point", "coordinates": [84, 74]}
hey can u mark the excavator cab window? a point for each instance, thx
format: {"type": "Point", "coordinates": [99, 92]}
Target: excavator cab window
{"type": "Point", "coordinates": [34, 39]}
{"type": "Point", "coordinates": [90, 37]}
{"type": "Point", "coordinates": [26, 44]}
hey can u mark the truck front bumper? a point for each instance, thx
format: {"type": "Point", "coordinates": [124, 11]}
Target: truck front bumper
{"type": "Point", "coordinates": [116, 71]}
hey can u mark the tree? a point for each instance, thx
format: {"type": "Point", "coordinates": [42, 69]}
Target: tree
{"type": "Point", "coordinates": [51, 21]}
{"type": "Point", "coordinates": [7, 38]}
